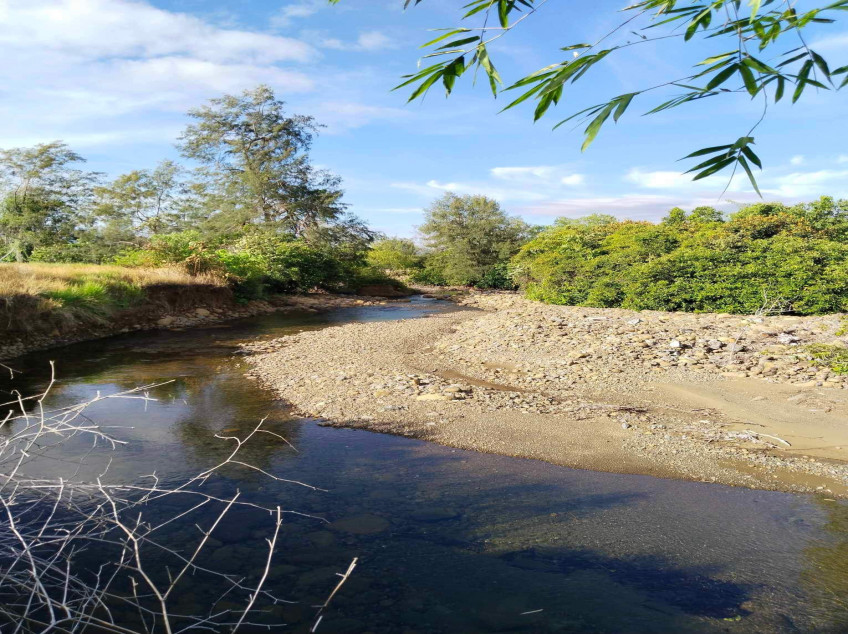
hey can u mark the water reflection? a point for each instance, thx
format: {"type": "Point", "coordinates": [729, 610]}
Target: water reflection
{"type": "Point", "coordinates": [453, 541]}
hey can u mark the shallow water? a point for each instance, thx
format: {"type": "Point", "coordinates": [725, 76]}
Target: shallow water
{"type": "Point", "coordinates": [450, 540]}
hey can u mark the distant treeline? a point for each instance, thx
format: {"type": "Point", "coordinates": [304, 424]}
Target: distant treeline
{"type": "Point", "coordinates": [764, 257]}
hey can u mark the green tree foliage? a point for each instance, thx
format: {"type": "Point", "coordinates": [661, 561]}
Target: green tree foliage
{"type": "Point", "coordinates": [395, 254]}
{"type": "Point", "coordinates": [256, 166]}
{"type": "Point", "coordinates": [43, 194]}
{"type": "Point", "coordinates": [697, 261]}
{"type": "Point", "coordinates": [146, 202]}
{"type": "Point", "coordinates": [468, 236]}
{"type": "Point", "coordinates": [760, 49]}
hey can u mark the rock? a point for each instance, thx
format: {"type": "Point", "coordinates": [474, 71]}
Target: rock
{"type": "Point", "coordinates": [674, 344]}
{"type": "Point", "coordinates": [434, 397]}
{"type": "Point", "coordinates": [626, 425]}
{"type": "Point", "coordinates": [166, 321]}
{"type": "Point", "coordinates": [714, 344]}
{"type": "Point", "coordinates": [785, 338]}
{"type": "Point", "coordinates": [202, 312]}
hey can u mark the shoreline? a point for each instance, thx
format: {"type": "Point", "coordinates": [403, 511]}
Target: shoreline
{"type": "Point", "coordinates": [713, 398]}
{"type": "Point", "coordinates": [171, 317]}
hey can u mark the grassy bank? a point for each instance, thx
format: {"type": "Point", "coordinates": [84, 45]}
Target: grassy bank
{"type": "Point", "coordinates": [57, 298]}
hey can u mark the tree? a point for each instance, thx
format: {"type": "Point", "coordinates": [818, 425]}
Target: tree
{"type": "Point", "coordinates": [43, 195]}
{"type": "Point", "coordinates": [743, 36]}
{"type": "Point", "coordinates": [394, 254]}
{"type": "Point", "coordinates": [256, 166]}
{"type": "Point", "coordinates": [147, 201]}
{"type": "Point", "coordinates": [469, 236]}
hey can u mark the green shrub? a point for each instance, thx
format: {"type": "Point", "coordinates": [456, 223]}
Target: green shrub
{"type": "Point", "coordinates": [394, 254]}
{"type": "Point", "coordinates": [697, 262]}
{"type": "Point", "coordinates": [834, 357]}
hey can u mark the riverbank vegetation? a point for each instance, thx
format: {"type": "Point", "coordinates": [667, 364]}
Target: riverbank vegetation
{"type": "Point", "coordinates": [249, 207]}
{"type": "Point", "coordinates": [790, 259]}
{"type": "Point", "coordinates": [763, 257]}
{"type": "Point", "coordinates": [33, 295]}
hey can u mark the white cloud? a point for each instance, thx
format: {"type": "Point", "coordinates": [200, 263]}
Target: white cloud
{"type": "Point", "coordinates": [374, 41]}
{"type": "Point", "coordinates": [797, 160]}
{"type": "Point", "coordinates": [83, 70]}
{"type": "Point", "coordinates": [340, 116]}
{"type": "Point", "coordinates": [94, 29]}
{"type": "Point", "coordinates": [543, 175]}
{"type": "Point", "coordinates": [368, 41]}
{"type": "Point", "coordinates": [843, 158]}
{"type": "Point", "coordinates": [573, 180]}
{"type": "Point", "coordinates": [809, 184]}
{"type": "Point", "coordinates": [295, 11]}
{"type": "Point", "coordinates": [679, 182]}
{"type": "Point", "coordinates": [658, 179]}
{"type": "Point", "coordinates": [831, 43]}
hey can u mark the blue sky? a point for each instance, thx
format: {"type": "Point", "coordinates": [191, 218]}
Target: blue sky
{"type": "Point", "coordinates": [114, 78]}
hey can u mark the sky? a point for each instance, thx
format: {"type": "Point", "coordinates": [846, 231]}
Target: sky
{"type": "Point", "coordinates": [114, 79]}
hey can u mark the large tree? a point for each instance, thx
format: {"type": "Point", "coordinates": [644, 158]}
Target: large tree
{"type": "Point", "coordinates": [43, 195]}
{"type": "Point", "coordinates": [469, 236]}
{"type": "Point", "coordinates": [256, 165]}
{"type": "Point", "coordinates": [760, 48]}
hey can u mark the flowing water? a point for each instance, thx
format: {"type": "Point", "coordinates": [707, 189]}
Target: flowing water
{"type": "Point", "coordinates": [450, 540]}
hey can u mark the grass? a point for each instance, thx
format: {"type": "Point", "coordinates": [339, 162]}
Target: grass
{"type": "Point", "coordinates": [32, 292]}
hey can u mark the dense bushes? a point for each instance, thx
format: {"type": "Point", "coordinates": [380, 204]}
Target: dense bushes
{"type": "Point", "coordinates": [262, 262]}
{"type": "Point", "coordinates": [696, 262]}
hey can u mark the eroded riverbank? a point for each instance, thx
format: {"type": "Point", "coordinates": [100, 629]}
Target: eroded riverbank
{"type": "Point", "coordinates": [716, 398]}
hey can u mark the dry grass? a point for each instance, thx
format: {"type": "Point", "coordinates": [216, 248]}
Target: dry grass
{"type": "Point", "coordinates": [59, 298]}
{"type": "Point", "coordinates": [45, 279]}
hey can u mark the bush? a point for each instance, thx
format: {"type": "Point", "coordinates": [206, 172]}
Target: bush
{"type": "Point", "coordinates": [696, 262]}
{"type": "Point", "coordinates": [394, 254]}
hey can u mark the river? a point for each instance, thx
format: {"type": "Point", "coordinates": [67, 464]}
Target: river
{"type": "Point", "coordinates": [450, 540]}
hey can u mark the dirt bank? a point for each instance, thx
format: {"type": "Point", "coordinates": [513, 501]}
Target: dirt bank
{"type": "Point", "coordinates": [165, 306]}
{"type": "Point", "coordinates": [718, 398]}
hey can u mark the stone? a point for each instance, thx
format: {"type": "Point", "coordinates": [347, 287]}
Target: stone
{"type": "Point", "coordinates": [202, 312]}
{"type": "Point", "coordinates": [434, 397]}
{"type": "Point", "coordinates": [166, 321]}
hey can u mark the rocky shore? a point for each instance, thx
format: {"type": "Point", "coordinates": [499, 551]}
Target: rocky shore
{"type": "Point", "coordinates": [719, 398]}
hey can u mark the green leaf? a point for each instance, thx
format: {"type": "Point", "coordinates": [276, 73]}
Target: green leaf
{"type": "Point", "coordinates": [715, 168]}
{"type": "Point", "coordinates": [707, 150]}
{"type": "Point", "coordinates": [503, 12]}
{"type": "Point", "coordinates": [750, 174]}
{"type": "Point", "coordinates": [748, 78]}
{"type": "Point", "coordinates": [491, 71]}
{"type": "Point", "coordinates": [722, 77]}
{"type": "Point", "coordinates": [450, 33]}
{"type": "Point", "coordinates": [781, 86]}
{"type": "Point", "coordinates": [623, 103]}
{"type": "Point", "coordinates": [595, 126]}
{"type": "Point", "coordinates": [747, 151]}
{"type": "Point", "coordinates": [461, 42]}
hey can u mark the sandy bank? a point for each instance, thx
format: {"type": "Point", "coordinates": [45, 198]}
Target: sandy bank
{"type": "Point", "coordinates": [718, 398]}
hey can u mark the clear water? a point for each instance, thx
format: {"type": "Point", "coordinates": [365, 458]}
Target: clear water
{"type": "Point", "coordinates": [450, 540]}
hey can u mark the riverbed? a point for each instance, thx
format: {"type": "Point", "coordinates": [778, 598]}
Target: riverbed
{"type": "Point", "coordinates": [451, 540]}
